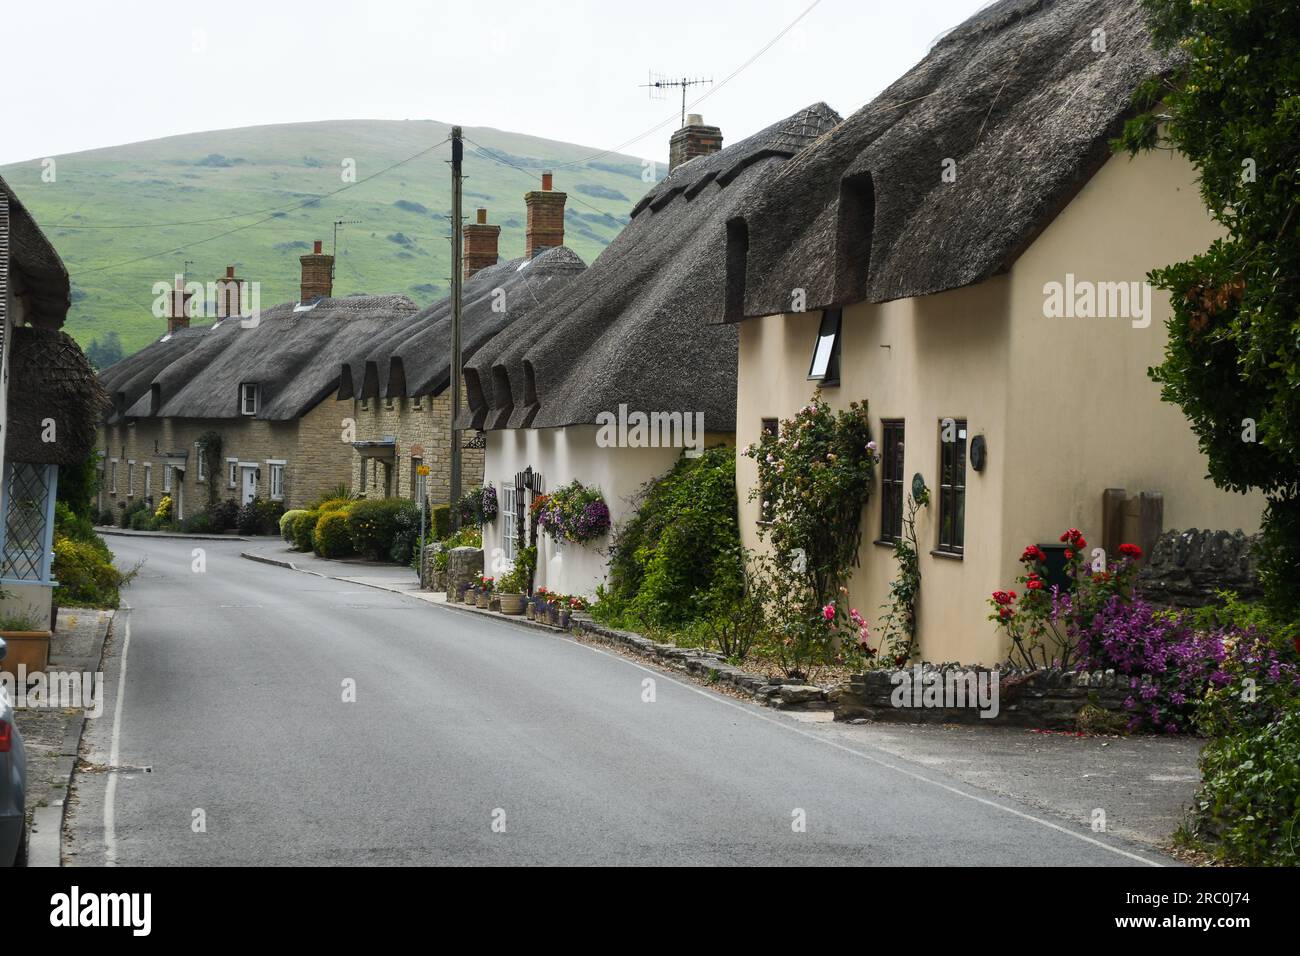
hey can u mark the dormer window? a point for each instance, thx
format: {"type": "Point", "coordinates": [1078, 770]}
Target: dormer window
{"type": "Point", "coordinates": [248, 398]}
{"type": "Point", "coordinates": [825, 367]}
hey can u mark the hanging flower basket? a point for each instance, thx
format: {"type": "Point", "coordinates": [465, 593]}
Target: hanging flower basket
{"type": "Point", "coordinates": [574, 513]}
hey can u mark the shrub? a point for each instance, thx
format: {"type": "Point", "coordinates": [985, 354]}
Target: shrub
{"type": "Point", "coordinates": [464, 538]}
{"type": "Point", "coordinates": [332, 538]}
{"type": "Point", "coordinates": [1250, 798]}
{"type": "Point", "coordinates": [259, 517]}
{"type": "Point", "coordinates": [200, 523]}
{"type": "Point", "coordinates": [440, 521]}
{"type": "Point", "coordinates": [129, 512]}
{"type": "Point", "coordinates": [86, 575]}
{"type": "Point", "coordinates": [164, 509]}
{"type": "Point", "coordinates": [286, 522]}
{"type": "Point", "coordinates": [304, 526]}
{"type": "Point", "coordinates": [406, 533]}
{"type": "Point", "coordinates": [225, 515]}
{"type": "Point", "coordinates": [73, 525]}
{"type": "Point", "coordinates": [141, 519]}
{"type": "Point", "coordinates": [682, 542]}
{"type": "Point", "coordinates": [373, 525]}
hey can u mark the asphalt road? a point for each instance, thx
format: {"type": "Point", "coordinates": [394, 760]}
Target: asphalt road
{"type": "Point", "coordinates": [476, 741]}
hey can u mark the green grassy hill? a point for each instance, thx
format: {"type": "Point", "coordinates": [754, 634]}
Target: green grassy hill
{"type": "Point", "coordinates": [232, 178]}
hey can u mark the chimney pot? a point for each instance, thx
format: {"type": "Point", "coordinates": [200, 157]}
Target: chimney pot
{"type": "Point", "coordinates": [547, 178]}
{"type": "Point", "coordinates": [482, 216]}
{"type": "Point", "coordinates": [230, 272]}
{"type": "Point", "coordinates": [316, 248]}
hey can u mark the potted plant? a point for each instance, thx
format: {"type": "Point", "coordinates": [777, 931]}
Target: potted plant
{"type": "Point", "coordinates": [510, 590]}
{"type": "Point", "coordinates": [553, 609]}
{"type": "Point", "coordinates": [471, 594]}
{"type": "Point", "coordinates": [484, 598]}
{"type": "Point", "coordinates": [28, 643]}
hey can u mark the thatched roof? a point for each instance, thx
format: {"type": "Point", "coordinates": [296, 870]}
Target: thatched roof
{"type": "Point", "coordinates": [414, 358]}
{"type": "Point", "coordinates": [634, 328]}
{"type": "Point", "coordinates": [293, 356]}
{"type": "Point", "coordinates": [53, 394]}
{"type": "Point", "coordinates": [1016, 96]}
{"type": "Point", "coordinates": [41, 276]}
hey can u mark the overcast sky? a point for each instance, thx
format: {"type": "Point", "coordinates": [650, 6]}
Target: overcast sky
{"type": "Point", "coordinates": [87, 73]}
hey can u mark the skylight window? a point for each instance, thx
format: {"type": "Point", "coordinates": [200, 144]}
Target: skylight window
{"type": "Point", "coordinates": [825, 366]}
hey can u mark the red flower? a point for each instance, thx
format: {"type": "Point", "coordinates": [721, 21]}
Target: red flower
{"type": "Point", "coordinates": [1296, 641]}
{"type": "Point", "coordinates": [1034, 585]}
{"type": "Point", "coordinates": [1080, 543]}
{"type": "Point", "coordinates": [1033, 553]}
{"type": "Point", "coordinates": [1069, 555]}
{"type": "Point", "coordinates": [1130, 551]}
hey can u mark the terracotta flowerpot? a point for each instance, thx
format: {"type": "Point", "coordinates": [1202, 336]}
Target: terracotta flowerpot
{"type": "Point", "coordinates": [471, 595]}
{"type": "Point", "coordinates": [26, 647]}
{"type": "Point", "coordinates": [483, 598]}
{"type": "Point", "coordinates": [512, 604]}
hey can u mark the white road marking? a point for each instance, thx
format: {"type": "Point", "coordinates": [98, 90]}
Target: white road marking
{"type": "Point", "coordinates": [110, 794]}
{"type": "Point", "coordinates": [717, 698]}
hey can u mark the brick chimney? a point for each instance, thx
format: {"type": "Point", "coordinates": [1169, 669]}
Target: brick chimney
{"type": "Point", "coordinates": [229, 294]}
{"type": "Point", "coordinates": [317, 279]}
{"type": "Point", "coordinates": [545, 229]}
{"type": "Point", "coordinates": [693, 139]}
{"type": "Point", "coordinates": [481, 243]}
{"type": "Point", "coordinates": [178, 314]}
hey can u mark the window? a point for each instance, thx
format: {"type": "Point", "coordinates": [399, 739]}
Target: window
{"type": "Point", "coordinates": [891, 480]}
{"type": "Point", "coordinates": [365, 475]}
{"type": "Point", "coordinates": [248, 399]}
{"type": "Point", "coordinates": [952, 485]}
{"type": "Point", "coordinates": [277, 480]}
{"type": "Point", "coordinates": [201, 461]}
{"type": "Point", "coordinates": [232, 472]}
{"type": "Point", "coordinates": [113, 477]}
{"type": "Point", "coordinates": [508, 521]}
{"type": "Point", "coordinates": [148, 480]}
{"type": "Point", "coordinates": [167, 478]}
{"type": "Point", "coordinates": [825, 366]}
{"type": "Point", "coordinates": [130, 479]}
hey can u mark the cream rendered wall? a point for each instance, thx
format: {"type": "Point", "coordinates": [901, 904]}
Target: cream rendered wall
{"type": "Point", "coordinates": [1081, 397]}
{"type": "Point", "coordinates": [560, 455]}
{"type": "Point", "coordinates": [920, 360]}
{"type": "Point", "coordinates": [1065, 405]}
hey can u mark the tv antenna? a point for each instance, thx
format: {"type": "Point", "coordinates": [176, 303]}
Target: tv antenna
{"type": "Point", "coordinates": [659, 84]}
{"type": "Point", "coordinates": [335, 252]}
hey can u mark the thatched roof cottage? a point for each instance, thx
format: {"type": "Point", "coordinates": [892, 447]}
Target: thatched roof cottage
{"type": "Point", "coordinates": [971, 262]}
{"type": "Point", "coordinates": [630, 336]}
{"type": "Point", "coordinates": [49, 404]}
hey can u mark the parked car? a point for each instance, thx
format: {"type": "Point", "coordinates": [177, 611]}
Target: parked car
{"type": "Point", "coordinates": [13, 777]}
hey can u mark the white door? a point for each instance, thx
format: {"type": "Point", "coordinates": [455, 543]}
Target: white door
{"type": "Point", "coordinates": [250, 484]}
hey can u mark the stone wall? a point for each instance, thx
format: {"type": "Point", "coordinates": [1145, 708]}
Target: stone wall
{"type": "Point", "coordinates": [1186, 568]}
{"type": "Point", "coordinates": [420, 423]}
{"type": "Point", "coordinates": [464, 565]}
{"type": "Point", "coordinates": [1050, 699]}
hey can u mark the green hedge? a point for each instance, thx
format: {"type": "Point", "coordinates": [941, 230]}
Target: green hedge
{"type": "Point", "coordinates": [286, 522]}
{"type": "Point", "coordinates": [1251, 793]}
{"type": "Point", "coordinates": [303, 528]}
{"type": "Point", "coordinates": [440, 521]}
{"type": "Point", "coordinates": [684, 537]}
{"type": "Point", "coordinates": [332, 537]}
{"type": "Point", "coordinates": [373, 524]}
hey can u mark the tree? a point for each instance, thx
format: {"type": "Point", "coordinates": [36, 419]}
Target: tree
{"type": "Point", "coordinates": [1232, 362]}
{"type": "Point", "coordinates": [104, 353]}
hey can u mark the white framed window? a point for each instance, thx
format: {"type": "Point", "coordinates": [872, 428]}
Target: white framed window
{"type": "Point", "coordinates": [112, 480]}
{"type": "Point", "coordinates": [148, 479]}
{"type": "Point", "coordinates": [232, 472]}
{"type": "Point", "coordinates": [167, 479]}
{"type": "Point", "coordinates": [248, 398]}
{"type": "Point", "coordinates": [201, 464]}
{"type": "Point", "coordinates": [277, 480]}
{"type": "Point", "coordinates": [130, 479]}
{"type": "Point", "coordinates": [508, 519]}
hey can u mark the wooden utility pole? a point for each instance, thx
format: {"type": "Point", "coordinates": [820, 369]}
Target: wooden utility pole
{"type": "Point", "coordinates": [457, 154]}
